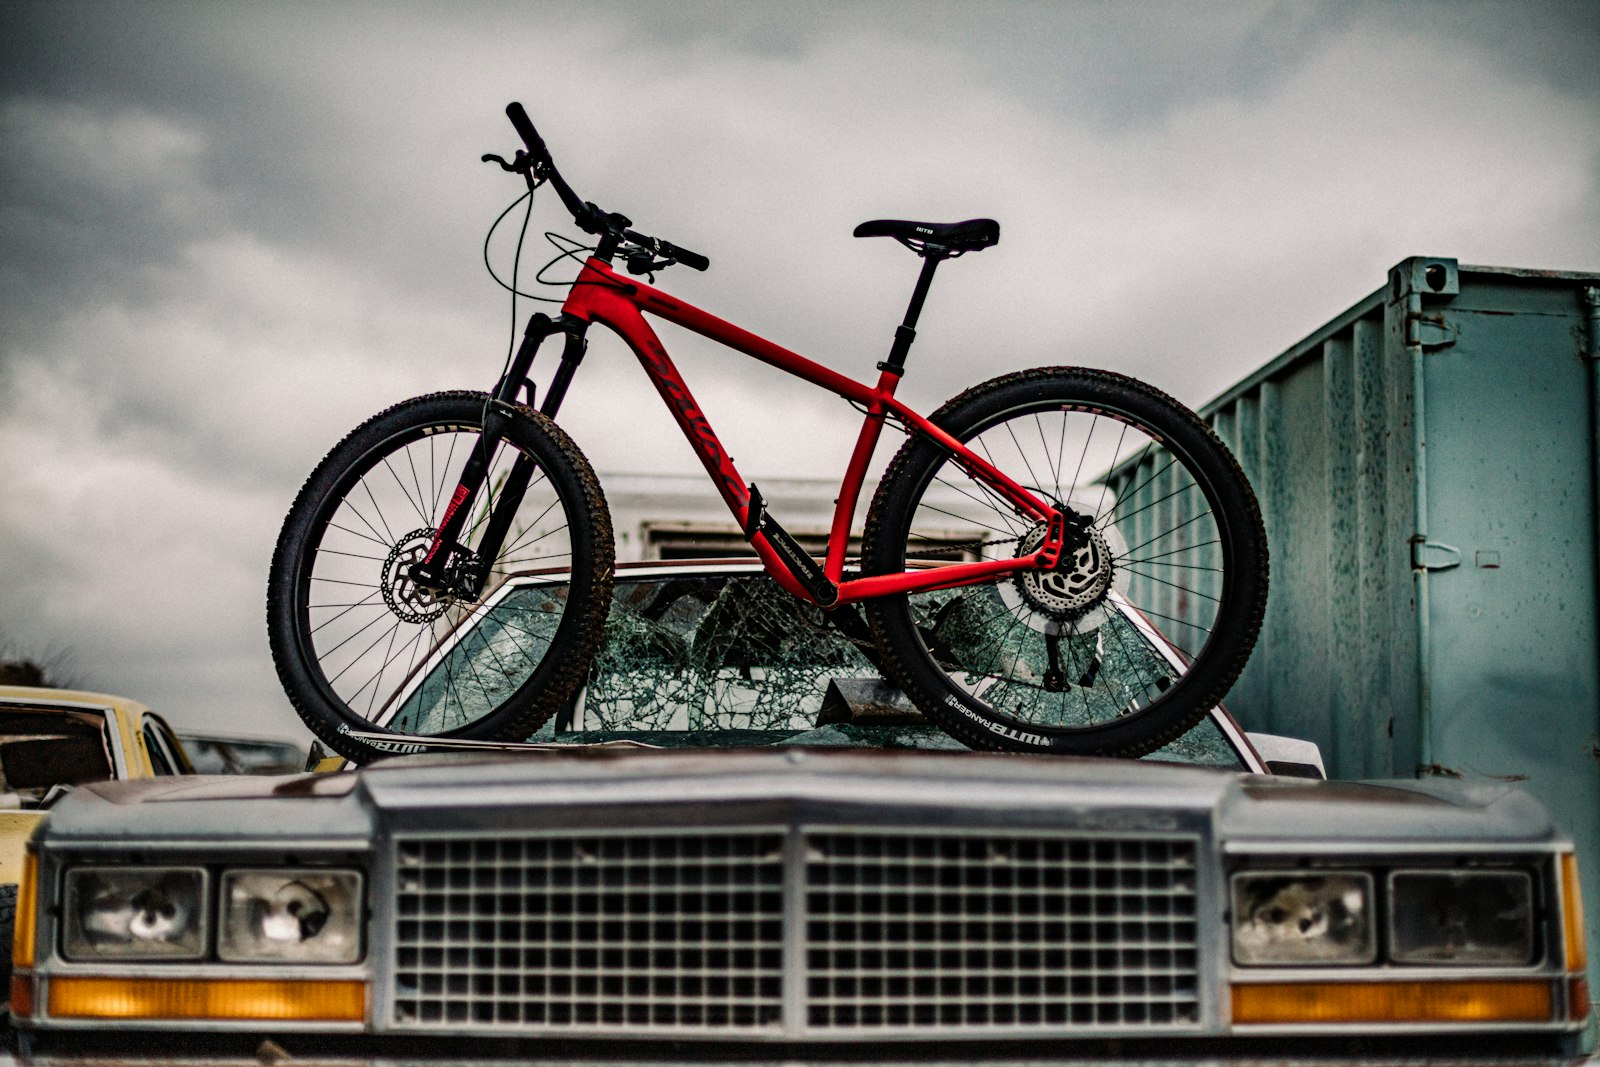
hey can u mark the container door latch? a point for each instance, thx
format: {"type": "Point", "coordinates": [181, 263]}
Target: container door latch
{"type": "Point", "coordinates": [1433, 556]}
{"type": "Point", "coordinates": [1429, 331]}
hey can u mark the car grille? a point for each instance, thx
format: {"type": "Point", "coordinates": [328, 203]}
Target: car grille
{"type": "Point", "coordinates": [890, 933]}
{"type": "Point", "coordinates": [630, 932]}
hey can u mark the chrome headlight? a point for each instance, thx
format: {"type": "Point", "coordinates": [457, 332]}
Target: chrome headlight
{"type": "Point", "coordinates": [300, 916]}
{"type": "Point", "coordinates": [130, 913]}
{"type": "Point", "coordinates": [1462, 917]}
{"type": "Point", "coordinates": [1303, 917]}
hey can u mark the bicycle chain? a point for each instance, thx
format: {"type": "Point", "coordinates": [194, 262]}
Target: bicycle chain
{"type": "Point", "coordinates": [979, 546]}
{"type": "Point", "coordinates": [962, 546]}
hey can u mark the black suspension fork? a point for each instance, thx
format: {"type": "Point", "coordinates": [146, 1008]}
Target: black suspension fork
{"type": "Point", "coordinates": [522, 471]}
{"type": "Point", "coordinates": [441, 571]}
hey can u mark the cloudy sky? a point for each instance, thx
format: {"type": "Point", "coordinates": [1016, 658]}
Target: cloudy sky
{"type": "Point", "coordinates": [231, 231]}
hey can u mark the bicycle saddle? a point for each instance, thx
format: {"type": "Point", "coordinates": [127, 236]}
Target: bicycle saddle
{"type": "Point", "coordinates": [968, 236]}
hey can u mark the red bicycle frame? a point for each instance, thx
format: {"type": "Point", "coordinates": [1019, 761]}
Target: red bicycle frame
{"type": "Point", "coordinates": [604, 296]}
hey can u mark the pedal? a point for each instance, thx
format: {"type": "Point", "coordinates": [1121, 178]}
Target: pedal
{"type": "Point", "coordinates": [799, 561]}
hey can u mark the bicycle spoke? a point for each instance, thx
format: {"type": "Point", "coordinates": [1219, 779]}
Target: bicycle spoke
{"type": "Point", "coordinates": [1162, 561]}
{"type": "Point", "coordinates": [988, 501]}
{"type": "Point", "coordinates": [1173, 585]}
{"type": "Point", "coordinates": [1055, 466]}
{"type": "Point", "coordinates": [377, 535]}
{"type": "Point", "coordinates": [1133, 493]}
{"type": "Point", "coordinates": [1153, 503]}
{"type": "Point", "coordinates": [386, 653]}
{"type": "Point", "coordinates": [1022, 454]}
{"type": "Point", "coordinates": [377, 508]}
{"type": "Point", "coordinates": [357, 533]}
{"type": "Point", "coordinates": [1173, 619]}
{"type": "Point", "coordinates": [416, 482]}
{"type": "Point", "coordinates": [351, 555]}
{"type": "Point", "coordinates": [1105, 484]}
{"type": "Point", "coordinates": [983, 488]}
{"type": "Point", "coordinates": [405, 492]}
{"type": "Point", "coordinates": [1168, 533]}
{"type": "Point", "coordinates": [366, 602]}
{"type": "Point", "coordinates": [363, 652]}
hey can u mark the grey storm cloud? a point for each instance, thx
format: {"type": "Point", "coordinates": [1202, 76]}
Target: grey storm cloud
{"type": "Point", "coordinates": [229, 232]}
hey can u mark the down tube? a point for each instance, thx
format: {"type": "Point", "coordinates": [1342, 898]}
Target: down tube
{"type": "Point", "coordinates": [669, 383]}
{"type": "Point", "coordinates": [633, 329]}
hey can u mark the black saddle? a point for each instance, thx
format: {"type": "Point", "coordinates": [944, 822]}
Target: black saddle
{"type": "Point", "coordinates": [952, 237]}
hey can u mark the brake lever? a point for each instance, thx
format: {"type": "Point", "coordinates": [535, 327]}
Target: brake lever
{"type": "Point", "coordinates": [520, 165]}
{"type": "Point", "coordinates": [640, 261]}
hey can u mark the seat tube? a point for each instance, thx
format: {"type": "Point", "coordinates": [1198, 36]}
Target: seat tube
{"type": "Point", "coordinates": [855, 476]}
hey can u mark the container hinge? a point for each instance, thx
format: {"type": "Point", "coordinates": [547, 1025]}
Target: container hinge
{"type": "Point", "coordinates": [1436, 279]}
{"type": "Point", "coordinates": [1429, 331]}
{"type": "Point", "coordinates": [1591, 300]}
{"type": "Point", "coordinates": [1433, 556]}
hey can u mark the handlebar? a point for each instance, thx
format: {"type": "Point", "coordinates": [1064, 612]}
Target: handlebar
{"type": "Point", "coordinates": [668, 250]}
{"type": "Point", "coordinates": [610, 227]}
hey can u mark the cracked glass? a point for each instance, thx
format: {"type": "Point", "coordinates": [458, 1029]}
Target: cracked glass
{"type": "Point", "coordinates": [706, 658]}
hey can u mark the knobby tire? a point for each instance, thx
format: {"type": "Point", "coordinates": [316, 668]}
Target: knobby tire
{"type": "Point", "coordinates": [1172, 544]}
{"type": "Point", "coordinates": [357, 649]}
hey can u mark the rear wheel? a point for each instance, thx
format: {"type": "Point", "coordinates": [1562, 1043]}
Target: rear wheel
{"type": "Point", "coordinates": [360, 647]}
{"type": "Point", "coordinates": [1151, 612]}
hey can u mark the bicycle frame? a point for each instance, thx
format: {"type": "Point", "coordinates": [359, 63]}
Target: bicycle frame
{"type": "Point", "coordinates": [601, 295]}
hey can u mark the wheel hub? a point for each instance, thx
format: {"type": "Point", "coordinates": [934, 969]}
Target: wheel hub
{"type": "Point", "coordinates": [408, 600]}
{"type": "Point", "coordinates": [1080, 579]}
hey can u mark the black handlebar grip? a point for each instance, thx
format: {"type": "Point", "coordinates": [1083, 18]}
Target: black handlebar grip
{"type": "Point", "coordinates": [686, 257]}
{"type": "Point", "coordinates": [524, 127]}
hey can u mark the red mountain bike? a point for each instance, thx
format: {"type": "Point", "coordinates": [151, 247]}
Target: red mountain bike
{"type": "Point", "coordinates": [1021, 549]}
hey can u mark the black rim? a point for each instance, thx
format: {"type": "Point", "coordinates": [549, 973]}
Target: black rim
{"type": "Point", "coordinates": [1072, 653]}
{"type": "Point", "coordinates": [392, 658]}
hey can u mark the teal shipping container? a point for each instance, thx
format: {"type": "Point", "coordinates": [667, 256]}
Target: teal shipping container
{"type": "Point", "coordinates": [1427, 465]}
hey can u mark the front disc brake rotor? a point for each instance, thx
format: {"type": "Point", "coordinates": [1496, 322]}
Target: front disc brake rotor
{"type": "Point", "coordinates": [409, 601]}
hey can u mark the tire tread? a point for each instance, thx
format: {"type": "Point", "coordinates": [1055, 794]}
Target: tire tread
{"type": "Point", "coordinates": [513, 721]}
{"type": "Point", "coordinates": [914, 675]}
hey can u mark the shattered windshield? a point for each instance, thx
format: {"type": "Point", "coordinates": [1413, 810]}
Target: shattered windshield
{"type": "Point", "coordinates": [729, 659]}
{"type": "Point", "coordinates": [709, 653]}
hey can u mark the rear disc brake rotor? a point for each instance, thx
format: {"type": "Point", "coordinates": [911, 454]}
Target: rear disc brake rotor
{"type": "Point", "coordinates": [1072, 596]}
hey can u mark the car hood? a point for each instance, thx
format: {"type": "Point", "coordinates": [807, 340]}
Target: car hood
{"type": "Point", "coordinates": [573, 789]}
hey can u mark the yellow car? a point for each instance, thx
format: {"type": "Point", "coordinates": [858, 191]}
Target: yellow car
{"type": "Point", "coordinates": [53, 739]}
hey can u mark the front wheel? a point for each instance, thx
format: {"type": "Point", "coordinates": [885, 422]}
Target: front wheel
{"type": "Point", "coordinates": [360, 648]}
{"type": "Point", "coordinates": [1154, 606]}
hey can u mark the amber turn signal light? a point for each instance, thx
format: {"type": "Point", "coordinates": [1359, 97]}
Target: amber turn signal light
{"type": "Point", "coordinates": [78, 997]}
{"type": "Point", "coordinates": [1521, 1000]}
{"type": "Point", "coordinates": [1572, 914]}
{"type": "Point", "coordinates": [23, 947]}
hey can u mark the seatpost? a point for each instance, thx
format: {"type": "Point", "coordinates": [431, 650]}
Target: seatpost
{"type": "Point", "coordinates": [906, 332]}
